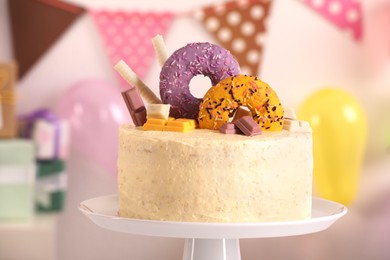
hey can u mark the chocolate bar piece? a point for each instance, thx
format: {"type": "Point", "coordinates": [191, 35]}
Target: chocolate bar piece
{"type": "Point", "coordinates": [134, 100]}
{"type": "Point", "coordinates": [296, 126]}
{"type": "Point", "coordinates": [182, 125]}
{"type": "Point", "coordinates": [229, 128]}
{"type": "Point", "coordinates": [159, 111]}
{"type": "Point", "coordinates": [139, 116]}
{"type": "Point", "coordinates": [135, 105]}
{"type": "Point", "coordinates": [289, 113]}
{"type": "Point", "coordinates": [240, 112]}
{"type": "Point", "coordinates": [248, 126]}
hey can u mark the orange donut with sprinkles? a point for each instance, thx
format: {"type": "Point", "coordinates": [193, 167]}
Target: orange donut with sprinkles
{"type": "Point", "coordinates": [222, 100]}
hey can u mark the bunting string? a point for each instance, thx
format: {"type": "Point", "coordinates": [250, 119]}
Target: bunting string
{"type": "Point", "coordinates": [238, 25]}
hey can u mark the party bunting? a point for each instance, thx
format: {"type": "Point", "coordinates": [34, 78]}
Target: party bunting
{"type": "Point", "coordinates": [127, 36]}
{"type": "Point", "coordinates": [239, 26]}
{"type": "Point", "coordinates": [36, 25]}
{"type": "Point", "coordinates": [345, 14]}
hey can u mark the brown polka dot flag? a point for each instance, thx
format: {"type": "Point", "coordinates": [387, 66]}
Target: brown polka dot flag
{"type": "Point", "coordinates": [240, 27]}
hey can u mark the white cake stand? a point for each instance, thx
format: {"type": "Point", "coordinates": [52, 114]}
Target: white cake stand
{"type": "Point", "coordinates": [210, 241]}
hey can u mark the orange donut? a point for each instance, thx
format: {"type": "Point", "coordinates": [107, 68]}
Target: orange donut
{"type": "Point", "coordinates": [222, 100]}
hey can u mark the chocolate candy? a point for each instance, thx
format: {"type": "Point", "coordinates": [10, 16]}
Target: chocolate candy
{"type": "Point", "coordinates": [241, 111]}
{"type": "Point", "coordinates": [248, 126]}
{"type": "Point", "coordinates": [139, 116]}
{"type": "Point", "coordinates": [135, 105]}
{"type": "Point", "coordinates": [158, 111]}
{"type": "Point", "coordinates": [289, 113]}
{"type": "Point", "coordinates": [155, 124]}
{"type": "Point", "coordinates": [180, 125]}
{"type": "Point", "coordinates": [229, 128]}
{"type": "Point", "coordinates": [173, 125]}
{"type": "Point", "coordinates": [296, 126]}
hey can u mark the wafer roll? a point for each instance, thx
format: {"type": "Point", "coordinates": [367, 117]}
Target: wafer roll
{"type": "Point", "coordinates": [160, 49]}
{"type": "Point", "coordinates": [129, 75]}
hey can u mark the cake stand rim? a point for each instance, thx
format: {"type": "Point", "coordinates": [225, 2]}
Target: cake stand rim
{"type": "Point", "coordinates": [330, 212]}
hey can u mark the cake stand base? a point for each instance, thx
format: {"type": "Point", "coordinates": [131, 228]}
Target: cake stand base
{"type": "Point", "coordinates": [216, 249]}
{"type": "Point", "coordinates": [210, 241]}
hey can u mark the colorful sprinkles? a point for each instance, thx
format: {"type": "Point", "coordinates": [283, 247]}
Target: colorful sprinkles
{"type": "Point", "coordinates": [222, 101]}
{"type": "Point", "coordinates": [193, 59]}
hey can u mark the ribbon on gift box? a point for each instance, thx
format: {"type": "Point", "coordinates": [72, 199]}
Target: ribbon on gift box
{"type": "Point", "coordinates": [48, 116]}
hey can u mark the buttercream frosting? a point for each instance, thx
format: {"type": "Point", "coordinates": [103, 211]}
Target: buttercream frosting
{"type": "Point", "coordinates": [206, 176]}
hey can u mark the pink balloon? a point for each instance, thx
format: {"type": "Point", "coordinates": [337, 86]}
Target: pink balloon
{"type": "Point", "coordinates": [95, 109]}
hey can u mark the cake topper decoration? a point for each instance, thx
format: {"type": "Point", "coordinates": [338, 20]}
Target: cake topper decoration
{"type": "Point", "coordinates": [240, 96]}
{"type": "Point", "coordinates": [135, 106]}
{"type": "Point", "coordinates": [160, 49]}
{"type": "Point", "coordinates": [223, 100]}
{"type": "Point", "coordinates": [129, 75]}
{"type": "Point", "coordinates": [182, 125]}
{"type": "Point", "coordinates": [229, 128]}
{"type": "Point", "coordinates": [248, 126]}
{"type": "Point", "coordinates": [187, 62]}
{"type": "Point", "coordinates": [158, 111]}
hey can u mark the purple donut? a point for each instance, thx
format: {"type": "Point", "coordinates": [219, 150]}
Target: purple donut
{"type": "Point", "coordinates": [187, 62]}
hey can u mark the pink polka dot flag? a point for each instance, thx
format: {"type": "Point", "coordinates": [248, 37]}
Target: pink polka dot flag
{"type": "Point", "coordinates": [128, 35]}
{"type": "Point", "coordinates": [345, 14]}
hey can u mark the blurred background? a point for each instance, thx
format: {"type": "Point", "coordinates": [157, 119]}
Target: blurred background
{"type": "Point", "coordinates": [61, 106]}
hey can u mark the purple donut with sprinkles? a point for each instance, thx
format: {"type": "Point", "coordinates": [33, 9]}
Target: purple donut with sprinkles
{"type": "Point", "coordinates": [187, 62]}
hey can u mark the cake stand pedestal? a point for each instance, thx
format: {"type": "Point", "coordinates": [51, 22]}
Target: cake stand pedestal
{"type": "Point", "coordinates": [210, 241]}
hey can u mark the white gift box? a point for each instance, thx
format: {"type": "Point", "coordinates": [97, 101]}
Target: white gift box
{"type": "Point", "coordinates": [52, 140]}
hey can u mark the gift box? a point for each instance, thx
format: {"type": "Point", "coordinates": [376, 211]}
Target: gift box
{"type": "Point", "coordinates": [51, 186]}
{"type": "Point", "coordinates": [49, 132]}
{"type": "Point", "coordinates": [8, 120]}
{"type": "Point", "coordinates": [17, 179]}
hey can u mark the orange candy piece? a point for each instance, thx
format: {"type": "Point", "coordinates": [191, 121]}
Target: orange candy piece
{"type": "Point", "coordinates": [182, 125]}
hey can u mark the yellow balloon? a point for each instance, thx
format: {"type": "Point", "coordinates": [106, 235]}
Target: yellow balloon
{"type": "Point", "coordinates": [339, 137]}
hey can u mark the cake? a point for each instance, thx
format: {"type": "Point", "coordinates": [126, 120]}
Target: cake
{"type": "Point", "coordinates": [237, 155]}
{"type": "Point", "coordinates": [205, 176]}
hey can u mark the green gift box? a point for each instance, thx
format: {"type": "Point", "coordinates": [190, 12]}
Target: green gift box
{"type": "Point", "coordinates": [51, 186]}
{"type": "Point", "coordinates": [17, 179]}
